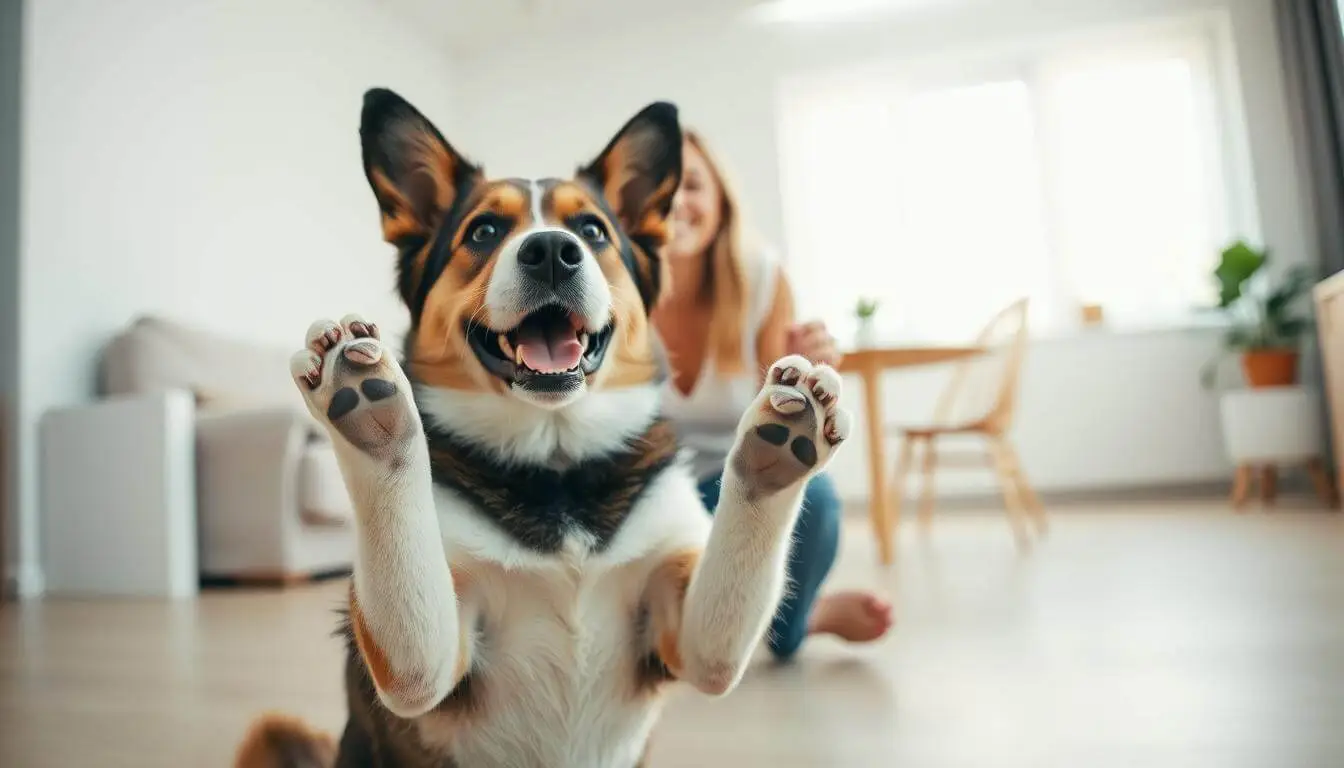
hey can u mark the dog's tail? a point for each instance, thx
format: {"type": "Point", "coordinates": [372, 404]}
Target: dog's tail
{"type": "Point", "coordinates": [281, 741]}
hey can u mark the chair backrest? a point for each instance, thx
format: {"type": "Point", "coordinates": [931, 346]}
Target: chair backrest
{"type": "Point", "coordinates": [983, 389]}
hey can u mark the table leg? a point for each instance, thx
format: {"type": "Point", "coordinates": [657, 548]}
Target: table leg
{"type": "Point", "coordinates": [877, 463]}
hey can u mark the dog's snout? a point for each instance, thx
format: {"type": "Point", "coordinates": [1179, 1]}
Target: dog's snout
{"type": "Point", "coordinates": [550, 257]}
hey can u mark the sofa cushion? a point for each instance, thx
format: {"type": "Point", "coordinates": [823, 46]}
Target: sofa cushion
{"type": "Point", "coordinates": [224, 374]}
{"type": "Point", "coordinates": [323, 499]}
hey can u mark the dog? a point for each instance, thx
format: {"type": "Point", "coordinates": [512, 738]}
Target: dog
{"type": "Point", "coordinates": [534, 564]}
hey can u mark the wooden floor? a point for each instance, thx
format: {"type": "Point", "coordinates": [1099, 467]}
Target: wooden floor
{"type": "Point", "coordinates": [1150, 635]}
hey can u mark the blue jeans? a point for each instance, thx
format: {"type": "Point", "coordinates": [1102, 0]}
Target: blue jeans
{"type": "Point", "coordinates": [816, 537]}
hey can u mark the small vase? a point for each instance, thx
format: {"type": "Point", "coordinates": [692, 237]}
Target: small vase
{"type": "Point", "coordinates": [864, 335]}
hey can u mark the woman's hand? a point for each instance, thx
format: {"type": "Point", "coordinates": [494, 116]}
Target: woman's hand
{"type": "Point", "coordinates": [813, 341]}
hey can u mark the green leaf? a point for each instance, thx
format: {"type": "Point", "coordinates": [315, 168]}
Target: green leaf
{"type": "Point", "coordinates": [1239, 263]}
{"type": "Point", "coordinates": [1242, 337]}
{"type": "Point", "coordinates": [1289, 329]}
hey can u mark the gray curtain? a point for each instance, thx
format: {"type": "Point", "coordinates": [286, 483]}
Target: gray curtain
{"type": "Point", "coordinates": [1312, 43]}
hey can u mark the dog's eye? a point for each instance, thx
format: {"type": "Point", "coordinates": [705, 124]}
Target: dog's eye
{"type": "Point", "coordinates": [592, 232]}
{"type": "Point", "coordinates": [484, 232]}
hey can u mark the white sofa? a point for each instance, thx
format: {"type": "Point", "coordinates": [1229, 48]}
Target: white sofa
{"type": "Point", "coordinates": [270, 501]}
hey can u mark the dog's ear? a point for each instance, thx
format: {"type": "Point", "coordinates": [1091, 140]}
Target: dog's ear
{"type": "Point", "coordinates": [415, 173]}
{"type": "Point", "coordinates": [639, 171]}
{"type": "Point", "coordinates": [638, 174]}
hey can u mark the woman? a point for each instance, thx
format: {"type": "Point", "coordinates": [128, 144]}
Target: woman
{"type": "Point", "coordinates": [726, 314]}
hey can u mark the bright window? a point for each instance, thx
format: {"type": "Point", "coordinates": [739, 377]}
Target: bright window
{"type": "Point", "coordinates": [1096, 178]}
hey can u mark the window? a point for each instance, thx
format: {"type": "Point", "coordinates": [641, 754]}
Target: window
{"type": "Point", "coordinates": [1095, 178]}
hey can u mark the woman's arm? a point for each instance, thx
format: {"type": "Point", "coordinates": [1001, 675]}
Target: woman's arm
{"type": "Point", "coordinates": [772, 340]}
{"type": "Point", "coordinates": [780, 335]}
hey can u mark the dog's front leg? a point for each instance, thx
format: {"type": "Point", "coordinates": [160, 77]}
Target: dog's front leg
{"type": "Point", "coordinates": [403, 607]}
{"type": "Point", "coordinates": [784, 438]}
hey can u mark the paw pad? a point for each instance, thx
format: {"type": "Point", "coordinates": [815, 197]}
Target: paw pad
{"type": "Point", "coordinates": [774, 434]}
{"type": "Point", "coordinates": [343, 402]}
{"type": "Point", "coordinates": [351, 381]}
{"type": "Point", "coordinates": [804, 450]}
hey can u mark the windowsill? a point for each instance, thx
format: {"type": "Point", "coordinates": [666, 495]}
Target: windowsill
{"type": "Point", "coordinates": [1186, 324]}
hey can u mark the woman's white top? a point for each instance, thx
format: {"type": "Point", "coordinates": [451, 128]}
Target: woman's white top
{"type": "Point", "coordinates": [706, 420]}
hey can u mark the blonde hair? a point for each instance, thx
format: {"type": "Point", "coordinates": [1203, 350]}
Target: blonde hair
{"type": "Point", "coordinates": [725, 280]}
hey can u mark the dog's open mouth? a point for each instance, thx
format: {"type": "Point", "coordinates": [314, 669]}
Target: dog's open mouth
{"type": "Point", "coordinates": [549, 349]}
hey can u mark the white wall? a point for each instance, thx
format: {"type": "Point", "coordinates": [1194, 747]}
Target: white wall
{"type": "Point", "coordinates": [1097, 411]}
{"type": "Point", "coordinates": [199, 160]}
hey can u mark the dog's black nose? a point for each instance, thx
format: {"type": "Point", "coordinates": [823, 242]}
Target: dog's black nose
{"type": "Point", "coordinates": [550, 257]}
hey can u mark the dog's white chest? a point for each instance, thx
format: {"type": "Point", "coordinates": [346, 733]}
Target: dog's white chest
{"type": "Point", "coordinates": [554, 669]}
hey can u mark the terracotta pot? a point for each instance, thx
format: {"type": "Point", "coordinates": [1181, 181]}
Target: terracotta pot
{"type": "Point", "coordinates": [1269, 367]}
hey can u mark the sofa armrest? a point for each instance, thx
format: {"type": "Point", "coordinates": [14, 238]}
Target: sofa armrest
{"type": "Point", "coordinates": [247, 466]}
{"type": "Point", "coordinates": [118, 512]}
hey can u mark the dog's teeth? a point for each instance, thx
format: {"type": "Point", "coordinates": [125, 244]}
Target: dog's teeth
{"type": "Point", "coordinates": [505, 346]}
{"type": "Point", "coordinates": [583, 339]}
{"type": "Point", "coordinates": [518, 356]}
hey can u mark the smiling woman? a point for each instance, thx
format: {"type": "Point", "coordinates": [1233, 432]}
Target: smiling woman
{"type": "Point", "coordinates": [727, 313]}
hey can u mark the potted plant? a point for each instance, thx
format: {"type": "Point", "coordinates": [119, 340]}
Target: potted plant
{"type": "Point", "coordinates": [1267, 327]}
{"type": "Point", "coordinates": [864, 312]}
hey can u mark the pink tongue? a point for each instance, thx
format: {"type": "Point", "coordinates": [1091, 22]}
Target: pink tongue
{"type": "Point", "coordinates": [549, 350]}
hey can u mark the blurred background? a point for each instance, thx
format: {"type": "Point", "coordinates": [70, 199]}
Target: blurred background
{"type": "Point", "coordinates": [1162, 182]}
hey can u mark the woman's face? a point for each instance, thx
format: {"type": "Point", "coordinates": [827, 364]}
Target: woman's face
{"type": "Point", "coordinates": [696, 208]}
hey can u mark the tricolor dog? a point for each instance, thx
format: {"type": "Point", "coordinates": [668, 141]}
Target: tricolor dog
{"type": "Point", "coordinates": [534, 565]}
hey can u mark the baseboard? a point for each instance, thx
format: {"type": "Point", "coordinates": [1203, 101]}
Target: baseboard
{"type": "Point", "coordinates": [1292, 484]}
{"type": "Point", "coordinates": [272, 579]}
{"type": "Point", "coordinates": [24, 582]}
{"type": "Point", "coordinates": [979, 501]}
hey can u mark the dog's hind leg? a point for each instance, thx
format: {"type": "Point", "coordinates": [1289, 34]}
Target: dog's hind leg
{"type": "Point", "coordinates": [403, 605]}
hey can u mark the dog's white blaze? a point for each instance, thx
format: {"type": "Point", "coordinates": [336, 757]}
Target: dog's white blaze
{"type": "Point", "coordinates": [538, 218]}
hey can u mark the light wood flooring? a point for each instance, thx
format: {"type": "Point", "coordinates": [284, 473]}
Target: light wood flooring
{"type": "Point", "coordinates": [1138, 634]}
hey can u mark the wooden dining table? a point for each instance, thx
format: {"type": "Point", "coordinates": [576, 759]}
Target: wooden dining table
{"type": "Point", "coordinates": [869, 364]}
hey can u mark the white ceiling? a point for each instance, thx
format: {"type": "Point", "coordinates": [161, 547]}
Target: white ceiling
{"type": "Point", "coordinates": [466, 25]}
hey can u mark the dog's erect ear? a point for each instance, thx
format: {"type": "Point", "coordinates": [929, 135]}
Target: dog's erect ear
{"type": "Point", "coordinates": [639, 171]}
{"type": "Point", "coordinates": [415, 174]}
{"type": "Point", "coordinates": [638, 174]}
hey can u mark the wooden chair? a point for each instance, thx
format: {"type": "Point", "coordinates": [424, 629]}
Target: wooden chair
{"type": "Point", "coordinates": [980, 400]}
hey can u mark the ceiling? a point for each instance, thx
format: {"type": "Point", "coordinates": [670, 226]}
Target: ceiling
{"type": "Point", "coordinates": [467, 25]}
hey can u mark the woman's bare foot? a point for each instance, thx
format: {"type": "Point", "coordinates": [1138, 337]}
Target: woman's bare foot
{"type": "Point", "coordinates": [859, 617]}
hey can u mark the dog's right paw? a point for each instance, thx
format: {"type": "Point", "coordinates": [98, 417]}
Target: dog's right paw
{"type": "Point", "coordinates": [355, 388]}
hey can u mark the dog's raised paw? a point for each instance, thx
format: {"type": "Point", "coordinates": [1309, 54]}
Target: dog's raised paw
{"type": "Point", "coordinates": [353, 385]}
{"type": "Point", "coordinates": [792, 429]}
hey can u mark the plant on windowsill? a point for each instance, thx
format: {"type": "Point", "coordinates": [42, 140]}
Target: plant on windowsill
{"type": "Point", "coordinates": [1267, 328]}
{"type": "Point", "coordinates": [864, 312]}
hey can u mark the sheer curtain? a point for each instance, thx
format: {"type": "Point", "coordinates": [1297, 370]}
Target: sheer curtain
{"type": "Point", "coordinates": [1093, 177]}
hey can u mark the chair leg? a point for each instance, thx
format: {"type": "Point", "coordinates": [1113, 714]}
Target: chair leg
{"type": "Point", "coordinates": [1012, 500]}
{"type": "Point", "coordinates": [1035, 509]}
{"type": "Point", "coordinates": [1269, 484]}
{"type": "Point", "coordinates": [927, 489]}
{"type": "Point", "coordinates": [1241, 486]}
{"type": "Point", "coordinates": [1321, 479]}
{"type": "Point", "coordinates": [898, 482]}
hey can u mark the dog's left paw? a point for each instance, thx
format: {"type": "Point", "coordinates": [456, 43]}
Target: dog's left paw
{"type": "Point", "coordinates": [792, 429]}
